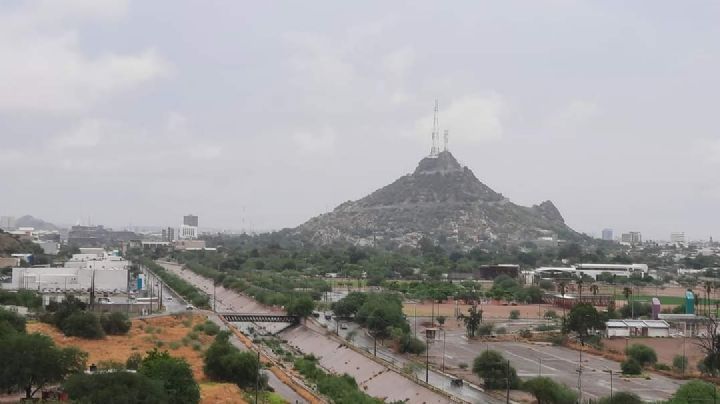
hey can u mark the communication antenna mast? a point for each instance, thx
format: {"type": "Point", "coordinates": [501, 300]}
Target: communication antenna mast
{"type": "Point", "coordinates": [435, 132]}
{"type": "Point", "coordinates": [445, 139]}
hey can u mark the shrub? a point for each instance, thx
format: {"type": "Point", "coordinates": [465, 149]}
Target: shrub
{"type": "Point", "coordinates": [463, 365]}
{"type": "Point", "coordinates": [175, 375]}
{"type": "Point", "coordinates": [110, 365]}
{"type": "Point", "coordinates": [694, 391]}
{"type": "Point", "coordinates": [407, 343]}
{"type": "Point", "coordinates": [224, 362]}
{"type": "Point", "coordinates": [211, 328]}
{"type": "Point", "coordinates": [83, 324]}
{"type": "Point", "coordinates": [550, 315]}
{"type": "Point", "coordinates": [501, 331]}
{"type": "Point", "coordinates": [546, 327]}
{"type": "Point", "coordinates": [199, 327]}
{"type": "Point", "coordinates": [642, 354]}
{"type": "Point", "coordinates": [547, 391]}
{"type": "Point", "coordinates": [11, 322]}
{"type": "Point", "coordinates": [631, 367]}
{"type": "Point", "coordinates": [680, 363]}
{"type": "Point", "coordinates": [525, 333]}
{"type": "Point", "coordinates": [661, 366]}
{"type": "Point", "coordinates": [115, 323]}
{"type": "Point", "coordinates": [119, 387]}
{"type": "Point", "coordinates": [193, 335]}
{"type": "Point", "coordinates": [495, 371]}
{"type": "Point", "coordinates": [133, 361]}
{"type": "Point", "coordinates": [622, 397]}
{"type": "Point", "coordinates": [174, 345]}
{"type": "Point", "coordinates": [557, 339]}
{"type": "Point", "coordinates": [485, 329]}
{"type": "Point", "coordinates": [514, 314]}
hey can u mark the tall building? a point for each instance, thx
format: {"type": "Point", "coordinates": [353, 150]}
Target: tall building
{"type": "Point", "coordinates": [607, 234]}
{"type": "Point", "coordinates": [7, 222]}
{"type": "Point", "coordinates": [170, 234]}
{"type": "Point", "coordinates": [677, 237]}
{"type": "Point", "coordinates": [190, 220]}
{"type": "Point", "coordinates": [634, 237]}
{"type": "Point", "coordinates": [189, 229]}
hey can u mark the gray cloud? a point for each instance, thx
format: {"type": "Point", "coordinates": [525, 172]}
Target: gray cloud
{"type": "Point", "coordinates": [263, 115]}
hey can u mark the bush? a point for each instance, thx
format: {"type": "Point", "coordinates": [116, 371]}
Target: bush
{"type": "Point", "coordinates": [631, 367]}
{"type": "Point", "coordinates": [175, 375]}
{"type": "Point", "coordinates": [547, 391]}
{"type": "Point", "coordinates": [661, 366]}
{"type": "Point", "coordinates": [83, 324]}
{"type": "Point", "coordinates": [110, 365]}
{"type": "Point", "coordinates": [642, 354]}
{"type": "Point", "coordinates": [463, 365]}
{"type": "Point", "coordinates": [224, 362]}
{"type": "Point", "coordinates": [133, 361]}
{"type": "Point", "coordinates": [495, 371]}
{"type": "Point", "coordinates": [11, 322]}
{"type": "Point", "coordinates": [622, 397]}
{"type": "Point", "coordinates": [514, 314]}
{"type": "Point", "coordinates": [525, 333]}
{"type": "Point", "coordinates": [115, 323]}
{"type": "Point", "coordinates": [485, 329]}
{"type": "Point", "coordinates": [680, 363]}
{"type": "Point", "coordinates": [550, 315]}
{"type": "Point", "coordinates": [119, 387]}
{"type": "Point", "coordinates": [407, 343]}
{"type": "Point", "coordinates": [694, 391]}
{"type": "Point", "coordinates": [211, 328]}
{"type": "Point", "coordinates": [501, 331]}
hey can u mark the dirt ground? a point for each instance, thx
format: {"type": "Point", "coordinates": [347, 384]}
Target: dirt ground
{"type": "Point", "coordinates": [666, 348]}
{"type": "Point", "coordinates": [145, 335]}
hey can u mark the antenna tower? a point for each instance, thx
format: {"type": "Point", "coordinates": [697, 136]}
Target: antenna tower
{"type": "Point", "coordinates": [445, 140]}
{"type": "Point", "coordinates": [435, 132]}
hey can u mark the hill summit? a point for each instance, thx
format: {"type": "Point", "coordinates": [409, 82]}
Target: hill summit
{"type": "Point", "coordinates": [442, 200]}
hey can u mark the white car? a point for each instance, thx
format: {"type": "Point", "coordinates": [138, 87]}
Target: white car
{"type": "Point", "coordinates": [190, 307]}
{"type": "Point", "coordinates": [169, 298]}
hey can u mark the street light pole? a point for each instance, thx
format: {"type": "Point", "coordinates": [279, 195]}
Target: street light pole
{"type": "Point", "coordinates": [257, 378]}
{"type": "Point", "coordinates": [443, 360]}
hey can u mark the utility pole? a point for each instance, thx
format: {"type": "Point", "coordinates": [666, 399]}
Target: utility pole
{"type": "Point", "coordinates": [580, 393]}
{"type": "Point", "coordinates": [257, 378]}
{"type": "Point", "coordinates": [507, 383]}
{"type": "Point", "coordinates": [443, 360]}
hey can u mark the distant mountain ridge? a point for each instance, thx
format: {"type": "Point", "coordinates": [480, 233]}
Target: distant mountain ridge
{"type": "Point", "coordinates": [442, 200]}
{"type": "Point", "coordinates": [37, 224]}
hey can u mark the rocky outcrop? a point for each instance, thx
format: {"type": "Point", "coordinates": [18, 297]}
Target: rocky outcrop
{"type": "Point", "coordinates": [442, 200]}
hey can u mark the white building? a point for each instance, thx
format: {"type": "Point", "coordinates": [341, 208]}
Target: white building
{"type": "Point", "coordinates": [67, 279]}
{"type": "Point", "coordinates": [637, 328]}
{"type": "Point", "coordinates": [634, 237]}
{"type": "Point", "coordinates": [186, 232]}
{"type": "Point", "coordinates": [593, 270]}
{"type": "Point", "coordinates": [677, 237]}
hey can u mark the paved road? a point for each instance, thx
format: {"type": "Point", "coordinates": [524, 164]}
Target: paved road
{"type": "Point", "coordinates": [363, 341]}
{"type": "Point", "coordinates": [561, 364]}
{"type": "Point", "coordinates": [373, 378]}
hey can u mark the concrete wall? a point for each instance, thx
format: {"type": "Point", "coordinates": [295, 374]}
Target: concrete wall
{"type": "Point", "coordinates": [68, 279]}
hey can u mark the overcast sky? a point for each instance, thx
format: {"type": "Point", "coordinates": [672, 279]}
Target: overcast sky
{"type": "Point", "coordinates": [260, 116]}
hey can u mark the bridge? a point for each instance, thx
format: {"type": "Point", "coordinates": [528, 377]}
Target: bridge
{"type": "Point", "coordinates": [259, 318]}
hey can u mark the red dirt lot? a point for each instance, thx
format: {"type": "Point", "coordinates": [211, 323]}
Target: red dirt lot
{"type": "Point", "coordinates": [666, 348]}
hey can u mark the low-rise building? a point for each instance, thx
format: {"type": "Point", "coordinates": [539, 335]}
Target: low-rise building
{"type": "Point", "coordinates": [637, 328]}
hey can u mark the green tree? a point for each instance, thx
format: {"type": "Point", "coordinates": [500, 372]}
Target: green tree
{"type": "Point", "coordinates": [584, 317]}
{"type": "Point", "coordinates": [643, 354]}
{"type": "Point", "coordinates": [472, 320]}
{"type": "Point", "coordinates": [83, 324]}
{"type": "Point", "coordinates": [133, 361]}
{"type": "Point", "coordinates": [11, 322]}
{"type": "Point", "coordinates": [514, 314]}
{"type": "Point", "coordinates": [115, 388]}
{"type": "Point", "coordinates": [301, 306]}
{"type": "Point", "coordinates": [495, 371]}
{"type": "Point", "coordinates": [349, 305]}
{"type": "Point", "coordinates": [33, 361]}
{"type": "Point", "coordinates": [695, 391]}
{"type": "Point", "coordinates": [631, 367]}
{"type": "Point", "coordinates": [622, 397]}
{"type": "Point", "coordinates": [115, 323]}
{"type": "Point", "coordinates": [175, 375]}
{"type": "Point", "coordinates": [547, 391]}
{"type": "Point", "coordinates": [224, 362]}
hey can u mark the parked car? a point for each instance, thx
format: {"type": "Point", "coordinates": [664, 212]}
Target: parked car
{"type": "Point", "coordinates": [189, 307]}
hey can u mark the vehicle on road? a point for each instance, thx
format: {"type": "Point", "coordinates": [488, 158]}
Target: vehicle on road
{"type": "Point", "coordinates": [343, 326]}
{"type": "Point", "coordinates": [189, 307]}
{"type": "Point", "coordinates": [169, 298]}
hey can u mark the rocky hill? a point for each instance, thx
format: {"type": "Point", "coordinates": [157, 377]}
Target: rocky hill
{"type": "Point", "coordinates": [34, 222]}
{"type": "Point", "coordinates": [442, 200]}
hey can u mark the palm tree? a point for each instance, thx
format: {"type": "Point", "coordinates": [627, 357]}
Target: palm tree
{"type": "Point", "coordinates": [580, 283]}
{"type": "Point", "coordinates": [594, 289]}
{"type": "Point", "coordinates": [708, 289]}
{"type": "Point", "coordinates": [562, 288]}
{"type": "Point", "coordinates": [628, 292]}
